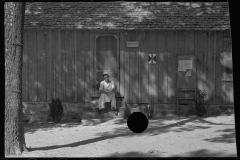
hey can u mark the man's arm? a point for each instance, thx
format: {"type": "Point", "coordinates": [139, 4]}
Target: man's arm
{"type": "Point", "coordinates": [101, 88]}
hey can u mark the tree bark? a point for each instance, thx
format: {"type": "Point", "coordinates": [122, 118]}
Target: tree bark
{"type": "Point", "coordinates": [13, 25]}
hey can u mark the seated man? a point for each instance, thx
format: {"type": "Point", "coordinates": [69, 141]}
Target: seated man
{"type": "Point", "coordinates": [107, 89]}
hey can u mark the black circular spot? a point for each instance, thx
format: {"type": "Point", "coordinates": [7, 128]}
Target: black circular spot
{"type": "Point", "coordinates": [137, 122]}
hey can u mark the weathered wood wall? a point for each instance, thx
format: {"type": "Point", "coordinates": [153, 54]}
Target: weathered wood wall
{"type": "Point", "coordinates": [59, 63]}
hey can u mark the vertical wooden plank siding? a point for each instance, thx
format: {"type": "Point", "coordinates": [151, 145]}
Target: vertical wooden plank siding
{"type": "Point", "coordinates": [190, 51]}
{"type": "Point", "coordinates": [75, 66]}
{"type": "Point", "coordinates": [56, 62]}
{"type": "Point", "coordinates": [127, 71]}
{"type": "Point", "coordinates": [80, 66]}
{"type": "Point", "coordinates": [138, 95]}
{"type": "Point", "coordinates": [153, 72]}
{"type": "Point", "coordinates": [41, 55]}
{"type": "Point", "coordinates": [32, 92]}
{"type": "Point", "coordinates": [228, 85]}
{"type": "Point", "coordinates": [208, 67]}
{"type": "Point", "coordinates": [181, 43]}
{"type": "Point", "coordinates": [190, 42]}
{"type": "Point", "coordinates": [143, 66]}
{"type": "Point", "coordinates": [172, 74]}
{"type": "Point", "coordinates": [219, 69]}
{"type": "Point", "coordinates": [201, 75]}
{"type": "Point", "coordinates": [72, 65]}
{"type": "Point", "coordinates": [49, 67]}
{"type": "Point", "coordinates": [205, 64]}
{"type": "Point", "coordinates": [67, 68]}
{"type": "Point", "coordinates": [211, 66]}
{"type": "Point", "coordinates": [214, 67]}
{"type": "Point", "coordinates": [161, 61]}
{"type": "Point", "coordinates": [196, 52]}
{"type": "Point", "coordinates": [62, 64]}
{"type": "Point", "coordinates": [90, 49]}
{"type": "Point", "coordinates": [122, 65]}
{"type": "Point", "coordinates": [86, 52]}
{"type": "Point", "coordinates": [132, 68]}
{"type": "Point", "coordinates": [24, 68]}
{"type": "Point", "coordinates": [166, 65]}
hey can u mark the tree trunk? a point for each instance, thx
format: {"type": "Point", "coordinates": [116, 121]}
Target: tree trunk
{"type": "Point", "coordinates": [14, 129]}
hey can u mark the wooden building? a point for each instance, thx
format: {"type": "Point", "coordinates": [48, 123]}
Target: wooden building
{"type": "Point", "coordinates": [152, 50]}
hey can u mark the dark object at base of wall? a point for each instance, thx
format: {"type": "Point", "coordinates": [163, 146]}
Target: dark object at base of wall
{"type": "Point", "coordinates": [56, 110]}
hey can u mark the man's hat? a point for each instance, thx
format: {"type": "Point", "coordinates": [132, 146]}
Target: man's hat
{"type": "Point", "coordinates": [105, 73]}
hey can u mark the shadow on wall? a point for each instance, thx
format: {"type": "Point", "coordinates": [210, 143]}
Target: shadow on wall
{"type": "Point", "coordinates": [38, 85]}
{"type": "Point", "coordinates": [57, 74]}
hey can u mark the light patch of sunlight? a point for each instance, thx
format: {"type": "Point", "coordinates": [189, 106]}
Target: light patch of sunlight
{"type": "Point", "coordinates": [141, 54]}
{"type": "Point", "coordinates": [165, 84]}
{"type": "Point", "coordinates": [136, 12]}
{"type": "Point", "coordinates": [89, 19]}
{"type": "Point", "coordinates": [65, 68]}
{"type": "Point", "coordinates": [27, 11]}
{"type": "Point", "coordinates": [202, 76]}
{"type": "Point", "coordinates": [170, 89]}
{"type": "Point", "coordinates": [102, 15]}
{"type": "Point", "coordinates": [229, 93]}
{"type": "Point", "coordinates": [25, 58]}
{"type": "Point", "coordinates": [68, 92]}
{"type": "Point", "coordinates": [207, 91]}
{"type": "Point", "coordinates": [199, 13]}
{"type": "Point", "coordinates": [67, 16]}
{"type": "Point", "coordinates": [166, 3]}
{"type": "Point", "coordinates": [195, 5]}
{"type": "Point", "coordinates": [80, 81]}
{"type": "Point", "coordinates": [152, 87]}
{"type": "Point", "coordinates": [208, 4]}
{"type": "Point", "coordinates": [34, 23]}
{"type": "Point", "coordinates": [38, 84]}
{"type": "Point", "coordinates": [42, 55]}
{"type": "Point", "coordinates": [200, 85]}
{"type": "Point", "coordinates": [36, 12]}
{"type": "Point", "coordinates": [121, 89]}
{"type": "Point", "coordinates": [161, 56]}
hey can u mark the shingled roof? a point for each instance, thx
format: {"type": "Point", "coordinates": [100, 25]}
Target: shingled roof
{"type": "Point", "coordinates": [128, 15]}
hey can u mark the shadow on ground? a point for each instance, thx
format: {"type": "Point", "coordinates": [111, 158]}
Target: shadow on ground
{"type": "Point", "coordinates": [45, 126]}
{"type": "Point", "coordinates": [197, 153]}
{"type": "Point", "coordinates": [156, 127]}
{"type": "Point", "coordinates": [228, 137]}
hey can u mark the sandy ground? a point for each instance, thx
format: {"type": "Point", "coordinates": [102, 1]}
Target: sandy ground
{"type": "Point", "coordinates": [165, 137]}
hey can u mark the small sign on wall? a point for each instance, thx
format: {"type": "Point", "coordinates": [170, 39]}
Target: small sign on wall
{"type": "Point", "coordinates": [132, 44]}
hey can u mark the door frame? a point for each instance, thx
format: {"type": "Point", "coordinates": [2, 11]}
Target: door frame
{"type": "Point", "coordinates": [95, 35]}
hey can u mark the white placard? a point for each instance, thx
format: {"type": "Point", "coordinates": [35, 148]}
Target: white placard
{"type": "Point", "coordinates": [183, 65]}
{"type": "Point", "coordinates": [132, 44]}
{"type": "Point", "coordinates": [187, 64]}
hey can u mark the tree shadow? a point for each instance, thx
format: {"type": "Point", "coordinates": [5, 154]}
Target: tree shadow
{"type": "Point", "coordinates": [205, 153]}
{"type": "Point", "coordinates": [46, 126]}
{"type": "Point", "coordinates": [129, 154]}
{"type": "Point", "coordinates": [229, 137]}
{"type": "Point", "coordinates": [156, 127]}
{"type": "Point", "coordinates": [197, 153]}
